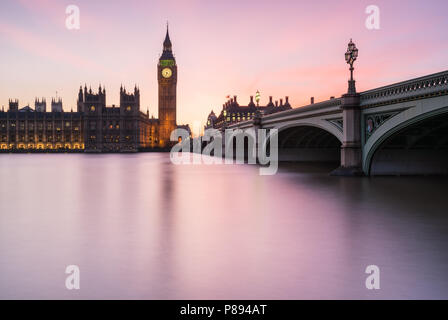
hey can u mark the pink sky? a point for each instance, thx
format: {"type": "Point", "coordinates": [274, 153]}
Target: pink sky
{"type": "Point", "coordinates": [281, 48]}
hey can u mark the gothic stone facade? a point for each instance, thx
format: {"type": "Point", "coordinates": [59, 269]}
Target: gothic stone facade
{"type": "Point", "coordinates": [122, 128]}
{"type": "Point", "coordinates": [232, 112]}
{"type": "Point", "coordinates": [167, 79]}
{"type": "Point", "coordinates": [96, 127]}
{"type": "Point", "coordinates": [26, 129]}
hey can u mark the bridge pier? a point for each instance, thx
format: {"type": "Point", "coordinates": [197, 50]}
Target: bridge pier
{"type": "Point", "coordinates": [351, 151]}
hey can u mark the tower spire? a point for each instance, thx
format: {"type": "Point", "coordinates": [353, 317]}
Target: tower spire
{"type": "Point", "coordinates": [167, 46]}
{"type": "Point", "coordinates": [167, 43]}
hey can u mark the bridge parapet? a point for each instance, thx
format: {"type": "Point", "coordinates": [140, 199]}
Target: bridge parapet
{"type": "Point", "coordinates": [304, 109]}
{"type": "Point", "coordinates": [309, 110]}
{"type": "Point", "coordinates": [419, 88]}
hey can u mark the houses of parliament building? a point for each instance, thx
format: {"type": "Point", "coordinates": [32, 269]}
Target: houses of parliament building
{"type": "Point", "coordinates": [95, 127]}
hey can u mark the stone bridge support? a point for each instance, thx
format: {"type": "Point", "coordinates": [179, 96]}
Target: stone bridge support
{"type": "Point", "coordinates": [351, 149]}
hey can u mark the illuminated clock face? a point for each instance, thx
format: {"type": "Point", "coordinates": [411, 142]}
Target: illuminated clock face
{"type": "Point", "coordinates": [167, 73]}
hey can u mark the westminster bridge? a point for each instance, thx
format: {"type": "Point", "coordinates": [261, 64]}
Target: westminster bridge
{"type": "Point", "coordinates": [399, 129]}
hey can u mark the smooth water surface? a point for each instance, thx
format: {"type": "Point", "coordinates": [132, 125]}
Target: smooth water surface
{"type": "Point", "coordinates": [140, 227]}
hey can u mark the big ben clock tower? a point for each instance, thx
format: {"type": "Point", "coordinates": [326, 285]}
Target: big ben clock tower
{"type": "Point", "coordinates": [167, 78]}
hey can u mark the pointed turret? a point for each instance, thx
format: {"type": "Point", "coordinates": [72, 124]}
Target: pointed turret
{"type": "Point", "coordinates": [251, 103]}
{"type": "Point", "coordinates": [167, 47]}
{"type": "Point", "coordinates": [287, 104]}
{"type": "Point", "coordinates": [167, 43]}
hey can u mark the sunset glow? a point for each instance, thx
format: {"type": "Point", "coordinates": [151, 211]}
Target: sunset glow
{"type": "Point", "coordinates": [222, 48]}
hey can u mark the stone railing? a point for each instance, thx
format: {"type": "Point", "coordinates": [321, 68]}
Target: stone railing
{"type": "Point", "coordinates": [315, 107]}
{"type": "Point", "coordinates": [310, 107]}
{"type": "Point", "coordinates": [428, 86]}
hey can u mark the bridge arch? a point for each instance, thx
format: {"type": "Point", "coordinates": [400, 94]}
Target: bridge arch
{"type": "Point", "coordinates": [410, 143]}
{"type": "Point", "coordinates": [306, 141]}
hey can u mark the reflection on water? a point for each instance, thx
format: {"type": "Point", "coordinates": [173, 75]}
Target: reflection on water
{"type": "Point", "coordinates": [140, 227]}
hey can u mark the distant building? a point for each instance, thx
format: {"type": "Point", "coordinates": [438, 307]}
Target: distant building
{"type": "Point", "coordinates": [232, 112]}
{"type": "Point", "coordinates": [40, 105]}
{"type": "Point", "coordinates": [27, 129]}
{"type": "Point", "coordinates": [13, 105]}
{"type": "Point", "coordinates": [167, 80]}
{"type": "Point", "coordinates": [185, 127]}
{"type": "Point", "coordinates": [96, 127]}
{"type": "Point", "coordinates": [56, 105]}
{"type": "Point", "coordinates": [122, 128]}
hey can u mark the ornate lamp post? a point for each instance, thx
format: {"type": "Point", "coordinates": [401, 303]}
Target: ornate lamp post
{"type": "Point", "coordinates": [350, 58]}
{"type": "Point", "coordinates": [351, 151]}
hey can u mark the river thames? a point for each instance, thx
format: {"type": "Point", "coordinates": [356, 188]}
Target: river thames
{"type": "Point", "coordinates": [140, 227]}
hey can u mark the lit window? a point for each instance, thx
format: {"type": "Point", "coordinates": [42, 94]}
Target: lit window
{"type": "Point", "coordinates": [92, 108]}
